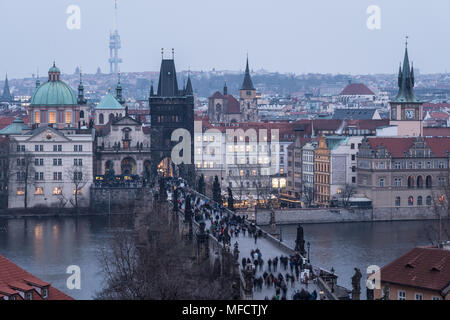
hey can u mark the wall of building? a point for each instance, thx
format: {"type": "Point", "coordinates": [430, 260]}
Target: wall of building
{"type": "Point", "coordinates": [292, 216]}
{"type": "Point", "coordinates": [409, 291]}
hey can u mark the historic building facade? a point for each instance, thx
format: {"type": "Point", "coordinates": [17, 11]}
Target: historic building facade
{"type": "Point", "coordinates": [50, 162]}
{"type": "Point", "coordinates": [404, 172]}
{"type": "Point", "coordinates": [223, 107]}
{"type": "Point", "coordinates": [124, 146]}
{"type": "Point", "coordinates": [322, 174]}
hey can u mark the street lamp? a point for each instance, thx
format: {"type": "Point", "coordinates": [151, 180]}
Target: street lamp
{"type": "Point", "coordinates": [332, 279]}
{"type": "Point", "coordinates": [309, 246]}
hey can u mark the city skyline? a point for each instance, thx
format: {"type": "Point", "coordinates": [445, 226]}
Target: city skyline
{"type": "Point", "coordinates": [297, 39]}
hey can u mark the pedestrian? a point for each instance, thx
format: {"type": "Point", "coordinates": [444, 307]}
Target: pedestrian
{"type": "Point", "coordinates": [244, 262]}
{"type": "Point", "coordinates": [256, 237]}
{"type": "Point", "coordinates": [306, 279]}
{"type": "Point", "coordinates": [261, 263]}
{"type": "Point", "coordinates": [275, 264]}
{"type": "Point", "coordinates": [292, 281]}
{"type": "Point", "coordinates": [269, 263]}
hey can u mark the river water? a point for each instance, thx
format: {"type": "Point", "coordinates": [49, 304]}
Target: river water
{"type": "Point", "coordinates": [47, 246]}
{"type": "Point", "coordinates": [344, 246]}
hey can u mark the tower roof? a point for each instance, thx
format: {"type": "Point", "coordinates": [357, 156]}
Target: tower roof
{"type": "Point", "coordinates": [168, 85]}
{"type": "Point", "coordinates": [7, 96]}
{"type": "Point", "coordinates": [406, 82]}
{"type": "Point", "coordinates": [248, 83]}
{"type": "Point", "coordinates": [109, 102]}
{"type": "Point", "coordinates": [189, 90]}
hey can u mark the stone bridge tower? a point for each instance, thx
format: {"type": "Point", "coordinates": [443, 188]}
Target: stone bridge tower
{"type": "Point", "coordinates": [170, 109]}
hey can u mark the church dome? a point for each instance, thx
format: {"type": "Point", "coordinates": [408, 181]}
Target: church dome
{"type": "Point", "coordinates": [54, 92]}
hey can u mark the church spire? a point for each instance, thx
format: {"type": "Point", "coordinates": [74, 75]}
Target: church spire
{"type": "Point", "coordinates": [189, 91]}
{"type": "Point", "coordinates": [406, 80]}
{"type": "Point", "coordinates": [81, 99]}
{"type": "Point", "coordinates": [225, 89]}
{"type": "Point", "coordinates": [119, 96]}
{"type": "Point", "coordinates": [247, 84]}
{"type": "Point", "coordinates": [7, 97]}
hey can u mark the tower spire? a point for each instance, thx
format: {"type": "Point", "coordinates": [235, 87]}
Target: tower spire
{"type": "Point", "coordinates": [247, 84]}
{"type": "Point", "coordinates": [406, 79]}
{"type": "Point", "coordinates": [81, 99]}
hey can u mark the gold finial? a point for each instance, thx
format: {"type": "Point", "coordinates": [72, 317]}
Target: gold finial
{"type": "Point", "coordinates": [173, 53]}
{"type": "Point", "coordinates": [162, 53]}
{"type": "Point", "coordinates": [406, 41]}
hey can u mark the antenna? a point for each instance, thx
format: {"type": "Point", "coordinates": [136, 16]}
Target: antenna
{"type": "Point", "coordinates": [173, 54]}
{"type": "Point", "coordinates": [115, 16]}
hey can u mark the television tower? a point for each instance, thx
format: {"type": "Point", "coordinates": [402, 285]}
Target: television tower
{"type": "Point", "coordinates": [114, 46]}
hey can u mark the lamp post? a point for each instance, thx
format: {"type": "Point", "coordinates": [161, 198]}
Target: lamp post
{"type": "Point", "coordinates": [309, 246]}
{"type": "Point", "coordinates": [332, 279]}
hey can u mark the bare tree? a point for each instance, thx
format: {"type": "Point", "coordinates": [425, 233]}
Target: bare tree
{"type": "Point", "coordinates": [78, 179]}
{"type": "Point", "coordinates": [440, 209]}
{"type": "Point", "coordinates": [347, 192]}
{"type": "Point", "coordinates": [164, 269]}
{"type": "Point", "coordinates": [308, 195]}
{"type": "Point", "coordinates": [21, 169]}
{"type": "Point", "coordinates": [264, 190]}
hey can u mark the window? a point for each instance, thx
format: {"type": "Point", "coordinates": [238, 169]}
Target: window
{"type": "Point", "coordinates": [352, 146]}
{"type": "Point", "coordinates": [57, 162]}
{"type": "Point", "coordinates": [57, 175]}
{"type": "Point", "coordinates": [353, 179]}
{"type": "Point", "coordinates": [78, 148]}
{"type": "Point", "coordinates": [101, 118]}
{"type": "Point", "coordinates": [381, 182]}
{"type": "Point", "coordinates": [353, 157]}
{"type": "Point", "coordinates": [39, 176]}
{"type": "Point", "coordinates": [29, 295]}
{"type": "Point", "coordinates": [52, 117]}
{"type": "Point", "coordinates": [398, 182]}
{"type": "Point", "coordinates": [20, 191]}
{"type": "Point", "coordinates": [428, 200]}
{"type": "Point", "coordinates": [435, 298]}
{"type": "Point", "coordinates": [78, 162]}
{"type": "Point", "coordinates": [45, 293]}
{"type": "Point", "coordinates": [397, 201]}
{"type": "Point", "coordinates": [401, 295]}
{"type": "Point", "coordinates": [68, 117]}
{"type": "Point", "coordinates": [410, 200]}
{"type": "Point", "coordinates": [37, 117]}
{"type": "Point", "coordinates": [57, 191]}
{"type": "Point", "coordinates": [39, 191]}
{"type": "Point", "coordinates": [77, 176]}
{"type": "Point", "coordinates": [57, 147]}
{"type": "Point", "coordinates": [419, 200]}
{"type": "Point", "coordinates": [418, 296]}
{"type": "Point", "coordinates": [79, 191]}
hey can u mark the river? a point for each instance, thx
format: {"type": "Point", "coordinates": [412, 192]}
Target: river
{"type": "Point", "coordinates": [47, 246]}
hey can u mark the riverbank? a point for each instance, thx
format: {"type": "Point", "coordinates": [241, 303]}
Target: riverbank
{"type": "Point", "coordinates": [336, 215]}
{"type": "Point", "coordinates": [64, 213]}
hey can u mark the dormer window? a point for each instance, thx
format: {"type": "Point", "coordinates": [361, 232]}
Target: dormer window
{"type": "Point", "coordinates": [45, 293]}
{"type": "Point", "coordinates": [29, 295]}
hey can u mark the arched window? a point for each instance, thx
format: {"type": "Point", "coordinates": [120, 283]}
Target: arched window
{"type": "Point", "coordinates": [428, 182]}
{"type": "Point", "coordinates": [428, 200]}
{"type": "Point", "coordinates": [81, 114]}
{"type": "Point", "coordinates": [419, 200]}
{"type": "Point", "coordinates": [397, 201]}
{"type": "Point", "coordinates": [419, 182]}
{"type": "Point", "coordinates": [101, 119]}
{"type": "Point", "coordinates": [410, 200]}
{"type": "Point", "coordinates": [410, 182]}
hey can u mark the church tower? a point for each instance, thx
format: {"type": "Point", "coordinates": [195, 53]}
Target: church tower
{"type": "Point", "coordinates": [170, 109]}
{"type": "Point", "coordinates": [247, 98]}
{"type": "Point", "coordinates": [7, 96]}
{"type": "Point", "coordinates": [406, 110]}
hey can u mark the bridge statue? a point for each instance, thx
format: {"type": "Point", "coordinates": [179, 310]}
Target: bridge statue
{"type": "Point", "coordinates": [300, 241]}
{"type": "Point", "coordinates": [248, 279]}
{"type": "Point", "coordinates": [236, 251]}
{"type": "Point", "coordinates": [356, 285]}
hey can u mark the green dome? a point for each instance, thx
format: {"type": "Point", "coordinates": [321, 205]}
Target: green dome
{"type": "Point", "coordinates": [53, 93]}
{"type": "Point", "coordinates": [54, 69]}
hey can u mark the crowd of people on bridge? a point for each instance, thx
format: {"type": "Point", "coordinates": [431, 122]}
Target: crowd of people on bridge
{"type": "Point", "coordinates": [278, 273]}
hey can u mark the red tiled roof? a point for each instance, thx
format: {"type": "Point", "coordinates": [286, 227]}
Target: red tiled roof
{"type": "Point", "coordinates": [354, 89]}
{"type": "Point", "coordinates": [396, 146]}
{"type": "Point", "coordinates": [233, 104]}
{"type": "Point", "coordinates": [436, 132]}
{"type": "Point", "coordinates": [421, 267]}
{"type": "Point", "coordinates": [14, 279]}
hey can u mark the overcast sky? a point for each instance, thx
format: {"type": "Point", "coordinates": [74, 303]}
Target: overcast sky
{"type": "Point", "coordinates": [324, 36]}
